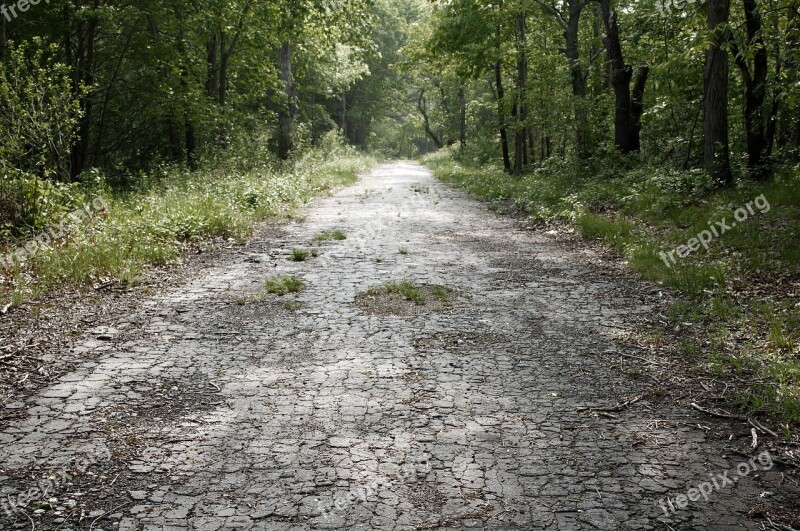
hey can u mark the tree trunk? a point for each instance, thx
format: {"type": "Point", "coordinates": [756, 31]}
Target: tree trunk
{"type": "Point", "coordinates": [627, 108]}
{"type": "Point", "coordinates": [343, 113]}
{"type": "Point", "coordinates": [212, 86]}
{"type": "Point", "coordinates": [462, 123]}
{"type": "Point", "coordinates": [521, 139]}
{"type": "Point", "coordinates": [755, 93]}
{"type": "Point", "coordinates": [82, 61]}
{"type": "Point", "coordinates": [222, 95]}
{"type": "Point", "coordinates": [637, 106]}
{"type": "Point", "coordinates": [191, 144]}
{"type": "Point", "coordinates": [225, 51]}
{"type": "Point", "coordinates": [288, 108]}
{"type": "Point", "coordinates": [531, 145]}
{"type": "Point", "coordinates": [605, 72]}
{"type": "Point", "coordinates": [577, 80]}
{"type": "Point", "coordinates": [361, 133]}
{"type": "Point", "coordinates": [716, 150]}
{"type": "Point", "coordinates": [422, 105]}
{"type": "Point", "coordinates": [188, 122]}
{"type": "Point", "coordinates": [175, 143]}
{"type": "Point", "coordinates": [793, 77]}
{"type": "Point", "coordinates": [3, 39]}
{"type": "Point", "coordinates": [501, 94]}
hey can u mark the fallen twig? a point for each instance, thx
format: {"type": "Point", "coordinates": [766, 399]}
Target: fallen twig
{"type": "Point", "coordinates": [786, 464]}
{"type": "Point", "coordinates": [757, 424]}
{"type": "Point", "coordinates": [615, 409]}
{"type": "Point", "coordinates": [91, 527]}
{"type": "Point", "coordinates": [781, 527]}
{"type": "Point", "coordinates": [637, 358]}
{"type": "Point", "coordinates": [716, 414]}
{"type": "Point", "coordinates": [455, 519]}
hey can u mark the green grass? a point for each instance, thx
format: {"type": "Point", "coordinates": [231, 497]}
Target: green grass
{"type": "Point", "coordinates": [403, 250]}
{"type": "Point", "coordinates": [442, 293]}
{"type": "Point", "coordinates": [283, 285]}
{"type": "Point", "coordinates": [735, 292]}
{"type": "Point", "coordinates": [331, 235]}
{"type": "Point", "coordinates": [171, 211]}
{"type": "Point", "coordinates": [299, 255]}
{"type": "Point", "coordinates": [408, 290]}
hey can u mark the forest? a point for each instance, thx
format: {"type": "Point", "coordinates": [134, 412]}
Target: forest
{"type": "Point", "coordinates": [399, 264]}
{"type": "Point", "coordinates": [636, 123]}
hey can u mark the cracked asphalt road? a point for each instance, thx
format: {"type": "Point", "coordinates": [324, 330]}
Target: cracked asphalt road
{"type": "Point", "coordinates": [213, 408]}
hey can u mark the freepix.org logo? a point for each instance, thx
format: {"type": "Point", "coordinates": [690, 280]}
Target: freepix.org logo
{"type": "Point", "coordinates": [54, 233]}
{"type": "Point", "coordinates": [717, 481]}
{"type": "Point", "coordinates": [12, 11]}
{"type": "Point", "coordinates": [665, 6]}
{"type": "Point", "coordinates": [716, 230]}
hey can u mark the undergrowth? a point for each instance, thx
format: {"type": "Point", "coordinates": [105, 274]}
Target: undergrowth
{"type": "Point", "coordinates": [167, 212]}
{"type": "Point", "coordinates": [737, 293]}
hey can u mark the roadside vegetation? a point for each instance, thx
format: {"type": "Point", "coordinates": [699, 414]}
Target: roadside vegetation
{"type": "Point", "coordinates": [737, 310]}
{"type": "Point", "coordinates": [165, 215]}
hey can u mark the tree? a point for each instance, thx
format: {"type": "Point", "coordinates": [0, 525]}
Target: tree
{"type": "Point", "coordinates": [628, 105]}
{"type": "Point", "coordinates": [755, 91]}
{"type": "Point", "coordinates": [521, 106]}
{"type": "Point", "coordinates": [716, 144]}
{"type": "Point", "coordinates": [571, 27]}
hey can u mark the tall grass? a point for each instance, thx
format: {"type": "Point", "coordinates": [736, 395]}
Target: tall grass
{"type": "Point", "coordinates": [154, 224]}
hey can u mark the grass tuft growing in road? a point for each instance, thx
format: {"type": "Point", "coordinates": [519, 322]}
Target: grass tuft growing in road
{"type": "Point", "coordinates": [405, 298]}
{"type": "Point", "coordinates": [331, 235]}
{"type": "Point", "coordinates": [299, 255]}
{"type": "Point", "coordinates": [408, 290]}
{"type": "Point", "coordinates": [283, 285]}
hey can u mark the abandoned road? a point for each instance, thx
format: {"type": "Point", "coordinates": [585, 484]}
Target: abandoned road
{"type": "Point", "coordinates": [500, 396]}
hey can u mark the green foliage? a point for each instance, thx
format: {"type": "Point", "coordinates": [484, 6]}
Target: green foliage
{"type": "Point", "coordinates": [38, 113]}
{"type": "Point", "coordinates": [642, 211]}
{"type": "Point", "coordinates": [406, 289]}
{"type": "Point", "coordinates": [153, 226]}
{"type": "Point", "coordinates": [330, 235]}
{"type": "Point", "coordinates": [300, 255]}
{"type": "Point", "coordinates": [283, 285]}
